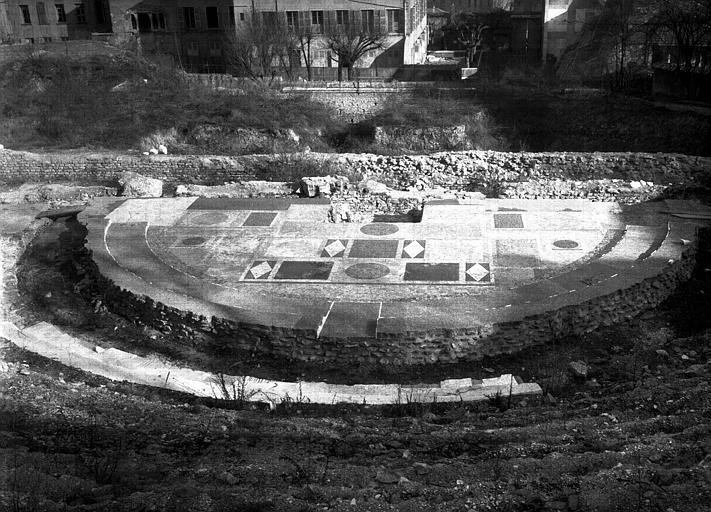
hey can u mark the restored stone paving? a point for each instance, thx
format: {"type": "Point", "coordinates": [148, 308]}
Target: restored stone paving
{"type": "Point", "coordinates": [279, 263]}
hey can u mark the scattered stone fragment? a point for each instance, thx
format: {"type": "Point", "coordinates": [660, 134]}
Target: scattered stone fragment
{"type": "Point", "coordinates": [162, 149]}
{"type": "Point", "coordinates": [579, 369]}
{"type": "Point", "coordinates": [385, 476]}
{"type": "Point", "coordinates": [135, 185]}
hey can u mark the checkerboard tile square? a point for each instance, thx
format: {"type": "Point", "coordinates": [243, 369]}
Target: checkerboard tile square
{"type": "Point", "coordinates": [508, 221]}
{"type": "Point", "coordinates": [414, 249]}
{"type": "Point", "coordinates": [373, 249]}
{"type": "Point", "coordinates": [260, 219]}
{"type": "Point", "coordinates": [334, 248]}
{"type": "Point", "coordinates": [306, 270]}
{"type": "Point", "coordinates": [478, 272]}
{"type": "Point", "coordinates": [260, 269]}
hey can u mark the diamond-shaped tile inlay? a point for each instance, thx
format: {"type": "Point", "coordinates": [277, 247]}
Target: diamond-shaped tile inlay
{"type": "Point", "coordinates": [334, 248]}
{"type": "Point", "coordinates": [260, 270]}
{"type": "Point", "coordinates": [414, 249]}
{"type": "Point", "coordinates": [479, 272]}
{"type": "Point", "coordinates": [508, 221]}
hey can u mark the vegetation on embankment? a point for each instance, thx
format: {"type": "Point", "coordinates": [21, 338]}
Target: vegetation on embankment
{"type": "Point", "coordinates": [125, 103]}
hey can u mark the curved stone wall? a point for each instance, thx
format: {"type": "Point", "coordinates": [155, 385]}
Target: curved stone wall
{"type": "Point", "coordinates": [603, 304]}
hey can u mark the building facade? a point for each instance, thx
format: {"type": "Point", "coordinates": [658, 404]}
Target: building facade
{"type": "Point", "coordinates": [194, 31]}
{"type": "Point", "coordinates": [34, 22]}
{"type": "Point", "coordinates": [543, 29]}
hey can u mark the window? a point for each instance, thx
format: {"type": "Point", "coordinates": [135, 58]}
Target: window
{"type": "Point", "coordinates": [99, 12]}
{"type": "Point", "coordinates": [41, 14]}
{"type": "Point", "coordinates": [144, 22]}
{"type": "Point", "coordinates": [232, 15]}
{"type": "Point", "coordinates": [26, 20]}
{"type": "Point", "coordinates": [189, 16]}
{"type": "Point", "coordinates": [269, 18]}
{"type": "Point", "coordinates": [161, 20]}
{"type": "Point", "coordinates": [134, 22]}
{"type": "Point", "coordinates": [317, 21]}
{"type": "Point", "coordinates": [215, 49]}
{"type": "Point", "coordinates": [395, 21]}
{"type": "Point", "coordinates": [211, 17]}
{"type": "Point", "coordinates": [61, 15]}
{"type": "Point", "coordinates": [47, 39]}
{"type": "Point", "coordinates": [368, 20]}
{"type": "Point", "coordinates": [154, 20]}
{"type": "Point", "coordinates": [80, 13]}
{"type": "Point", "coordinates": [341, 17]}
{"type": "Point", "coordinates": [292, 19]}
{"type": "Point", "coordinates": [193, 49]}
{"type": "Point", "coordinates": [241, 16]}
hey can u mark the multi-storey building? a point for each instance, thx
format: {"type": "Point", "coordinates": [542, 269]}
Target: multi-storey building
{"type": "Point", "coordinates": [194, 30]}
{"type": "Point", "coordinates": [563, 22]}
{"type": "Point", "coordinates": [545, 28]}
{"type": "Point", "coordinates": [31, 21]}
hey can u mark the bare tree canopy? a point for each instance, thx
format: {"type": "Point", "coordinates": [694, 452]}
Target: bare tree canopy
{"type": "Point", "coordinates": [351, 37]}
{"type": "Point", "coordinates": [262, 45]}
{"type": "Point", "coordinates": [687, 25]}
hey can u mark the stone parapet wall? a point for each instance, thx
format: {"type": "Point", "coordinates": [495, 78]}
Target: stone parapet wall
{"type": "Point", "coordinates": [465, 170]}
{"type": "Point", "coordinates": [18, 166]}
{"type": "Point", "coordinates": [478, 169]}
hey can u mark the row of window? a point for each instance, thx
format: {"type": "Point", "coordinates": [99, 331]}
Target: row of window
{"type": "Point", "coordinates": [313, 20]}
{"type": "Point", "coordinates": [61, 14]}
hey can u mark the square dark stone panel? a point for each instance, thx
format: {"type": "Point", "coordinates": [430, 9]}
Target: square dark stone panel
{"type": "Point", "coordinates": [374, 249]}
{"type": "Point", "coordinates": [307, 270]}
{"type": "Point", "coordinates": [508, 220]}
{"type": "Point", "coordinates": [260, 219]}
{"type": "Point", "coordinates": [431, 272]}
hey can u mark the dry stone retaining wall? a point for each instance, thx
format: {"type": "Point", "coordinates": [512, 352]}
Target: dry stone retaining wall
{"type": "Point", "coordinates": [464, 170]}
{"type": "Point", "coordinates": [12, 247]}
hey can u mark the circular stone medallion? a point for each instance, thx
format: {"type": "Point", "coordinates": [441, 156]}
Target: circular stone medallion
{"type": "Point", "coordinates": [193, 240]}
{"type": "Point", "coordinates": [367, 271]}
{"type": "Point", "coordinates": [207, 219]}
{"type": "Point", "coordinates": [565, 244]}
{"type": "Point", "coordinates": [379, 229]}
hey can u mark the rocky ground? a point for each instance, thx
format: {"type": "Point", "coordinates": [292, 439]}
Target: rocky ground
{"type": "Point", "coordinates": [628, 427]}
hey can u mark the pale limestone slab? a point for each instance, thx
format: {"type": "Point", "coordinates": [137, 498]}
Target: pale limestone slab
{"type": "Point", "coordinates": [306, 248]}
{"type": "Point", "coordinates": [158, 212]}
{"type": "Point", "coordinates": [46, 340]}
{"type": "Point", "coordinates": [312, 213]}
{"type": "Point", "coordinates": [472, 251]}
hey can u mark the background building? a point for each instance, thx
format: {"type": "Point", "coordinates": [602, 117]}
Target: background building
{"type": "Point", "coordinates": [194, 31]}
{"type": "Point", "coordinates": [30, 21]}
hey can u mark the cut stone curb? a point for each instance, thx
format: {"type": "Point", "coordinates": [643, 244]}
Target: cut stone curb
{"type": "Point", "coordinates": [48, 341]}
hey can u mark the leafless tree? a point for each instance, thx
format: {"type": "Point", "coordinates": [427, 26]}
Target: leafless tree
{"type": "Point", "coordinates": [304, 37]}
{"type": "Point", "coordinates": [686, 24]}
{"type": "Point", "coordinates": [352, 39]}
{"type": "Point", "coordinates": [261, 46]}
{"type": "Point", "coordinates": [470, 34]}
